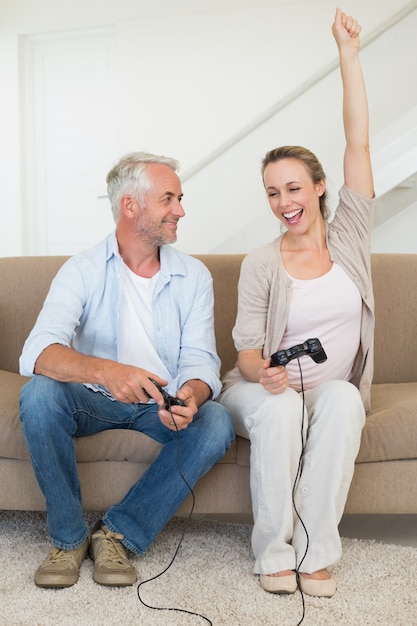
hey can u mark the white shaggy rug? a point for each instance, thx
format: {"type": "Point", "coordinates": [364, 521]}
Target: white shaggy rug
{"type": "Point", "coordinates": [211, 576]}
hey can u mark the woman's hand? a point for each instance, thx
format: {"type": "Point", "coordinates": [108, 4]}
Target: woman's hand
{"type": "Point", "coordinates": [273, 379]}
{"type": "Point", "coordinates": [346, 30]}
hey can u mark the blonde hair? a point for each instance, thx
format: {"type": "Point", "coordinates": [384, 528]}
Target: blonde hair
{"type": "Point", "coordinates": [310, 161]}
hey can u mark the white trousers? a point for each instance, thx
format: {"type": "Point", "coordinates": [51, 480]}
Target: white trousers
{"type": "Point", "coordinates": [296, 521]}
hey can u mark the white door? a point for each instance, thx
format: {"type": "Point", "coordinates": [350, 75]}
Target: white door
{"type": "Point", "coordinates": [69, 140]}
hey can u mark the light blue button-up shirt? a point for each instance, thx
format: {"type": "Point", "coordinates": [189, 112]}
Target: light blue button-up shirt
{"type": "Point", "coordinates": [83, 304]}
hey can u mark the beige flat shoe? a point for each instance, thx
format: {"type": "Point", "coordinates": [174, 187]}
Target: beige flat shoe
{"type": "Point", "coordinates": [278, 584]}
{"type": "Point", "coordinates": [321, 588]}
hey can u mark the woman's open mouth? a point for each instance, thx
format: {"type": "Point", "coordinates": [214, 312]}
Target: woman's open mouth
{"type": "Point", "coordinates": [293, 217]}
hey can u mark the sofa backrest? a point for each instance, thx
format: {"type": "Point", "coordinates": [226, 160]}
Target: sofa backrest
{"type": "Point", "coordinates": [225, 269]}
{"type": "Point", "coordinates": [395, 287]}
{"type": "Point", "coordinates": [24, 282]}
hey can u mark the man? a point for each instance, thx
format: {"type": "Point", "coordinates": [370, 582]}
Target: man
{"type": "Point", "coordinates": [127, 312]}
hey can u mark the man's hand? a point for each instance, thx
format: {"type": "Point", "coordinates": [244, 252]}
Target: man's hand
{"type": "Point", "coordinates": [128, 383]}
{"type": "Point", "coordinates": [179, 417]}
{"type": "Point", "coordinates": [193, 393]}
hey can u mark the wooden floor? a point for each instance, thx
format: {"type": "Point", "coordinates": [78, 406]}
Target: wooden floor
{"type": "Point", "coordinates": [397, 529]}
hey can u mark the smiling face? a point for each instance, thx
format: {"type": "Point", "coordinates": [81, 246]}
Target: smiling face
{"type": "Point", "coordinates": [157, 217]}
{"type": "Point", "coordinates": [292, 195]}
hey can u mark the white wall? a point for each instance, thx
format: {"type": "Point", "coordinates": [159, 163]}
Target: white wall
{"type": "Point", "coordinates": [397, 234]}
{"type": "Point", "coordinates": [192, 74]}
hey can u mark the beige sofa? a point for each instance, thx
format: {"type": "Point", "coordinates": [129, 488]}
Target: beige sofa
{"type": "Point", "coordinates": [385, 479]}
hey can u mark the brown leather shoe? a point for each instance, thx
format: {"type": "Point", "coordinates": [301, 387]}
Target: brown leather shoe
{"type": "Point", "coordinates": [111, 564]}
{"type": "Point", "coordinates": [61, 568]}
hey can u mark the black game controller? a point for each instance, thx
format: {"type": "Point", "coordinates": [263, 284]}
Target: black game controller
{"type": "Point", "coordinates": [169, 400]}
{"type": "Point", "coordinates": [312, 347]}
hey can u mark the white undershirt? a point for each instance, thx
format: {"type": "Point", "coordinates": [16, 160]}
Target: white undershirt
{"type": "Point", "coordinates": [136, 337]}
{"type": "Point", "coordinates": [328, 307]}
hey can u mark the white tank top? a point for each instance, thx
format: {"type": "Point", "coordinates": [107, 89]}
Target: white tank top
{"type": "Point", "coordinates": [136, 336]}
{"type": "Point", "coordinates": [328, 307]}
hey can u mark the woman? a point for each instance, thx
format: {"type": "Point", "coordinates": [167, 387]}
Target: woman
{"type": "Point", "coordinates": [304, 419]}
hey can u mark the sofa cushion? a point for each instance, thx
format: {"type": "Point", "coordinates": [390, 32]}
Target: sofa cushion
{"type": "Point", "coordinates": [115, 445]}
{"type": "Point", "coordinates": [12, 442]}
{"type": "Point", "coordinates": [390, 432]}
{"type": "Point", "coordinates": [124, 445]}
{"type": "Point", "coordinates": [111, 445]}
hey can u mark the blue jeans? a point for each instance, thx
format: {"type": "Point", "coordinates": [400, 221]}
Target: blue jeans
{"type": "Point", "coordinates": [53, 413]}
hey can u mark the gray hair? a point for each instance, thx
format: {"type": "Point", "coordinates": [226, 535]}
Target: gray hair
{"type": "Point", "coordinates": [130, 177]}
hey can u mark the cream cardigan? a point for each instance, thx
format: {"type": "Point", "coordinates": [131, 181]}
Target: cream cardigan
{"type": "Point", "coordinates": [264, 289]}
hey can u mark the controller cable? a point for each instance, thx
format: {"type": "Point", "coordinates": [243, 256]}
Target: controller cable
{"type": "Point", "coordinates": [188, 520]}
{"type": "Point", "coordinates": [187, 523]}
{"type": "Point", "coordinates": [296, 482]}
